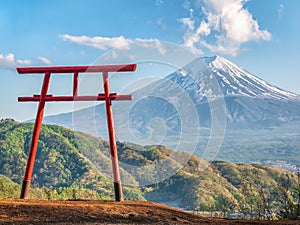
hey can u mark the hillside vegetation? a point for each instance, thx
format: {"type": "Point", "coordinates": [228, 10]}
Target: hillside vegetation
{"type": "Point", "coordinates": [60, 160]}
{"type": "Point", "coordinates": [73, 165]}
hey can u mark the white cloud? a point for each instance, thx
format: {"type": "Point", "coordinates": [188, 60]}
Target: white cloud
{"type": "Point", "coordinates": [9, 62]}
{"type": "Point", "coordinates": [191, 37]}
{"type": "Point", "coordinates": [45, 60]}
{"type": "Point", "coordinates": [228, 50]}
{"type": "Point", "coordinates": [189, 21]}
{"type": "Point", "coordinates": [102, 43]}
{"type": "Point", "coordinates": [151, 43]}
{"type": "Point", "coordinates": [121, 43]}
{"type": "Point", "coordinates": [227, 22]}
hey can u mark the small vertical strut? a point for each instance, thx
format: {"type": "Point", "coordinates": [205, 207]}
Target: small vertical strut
{"type": "Point", "coordinates": [75, 84]}
{"type": "Point", "coordinates": [112, 141]}
{"type": "Point", "coordinates": [35, 138]}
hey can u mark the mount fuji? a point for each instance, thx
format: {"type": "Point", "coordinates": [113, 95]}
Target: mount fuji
{"type": "Point", "coordinates": [190, 96]}
{"type": "Point", "coordinates": [211, 108]}
{"type": "Point", "coordinates": [250, 101]}
{"type": "Point", "coordinates": [238, 82]}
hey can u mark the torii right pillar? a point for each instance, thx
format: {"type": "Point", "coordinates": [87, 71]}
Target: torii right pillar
{"type": "Point", "coordinates": [112, 140]}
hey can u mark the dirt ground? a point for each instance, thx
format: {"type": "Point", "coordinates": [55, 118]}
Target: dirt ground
{"type": "Point", "coordinates": [15, 211]}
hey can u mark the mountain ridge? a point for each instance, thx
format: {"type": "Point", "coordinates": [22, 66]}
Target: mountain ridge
{"type": "Point", "coordinates": [196, 185]}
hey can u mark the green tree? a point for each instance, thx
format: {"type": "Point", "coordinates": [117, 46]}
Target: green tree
{"type": "Point", "coordinates": [225, 204]}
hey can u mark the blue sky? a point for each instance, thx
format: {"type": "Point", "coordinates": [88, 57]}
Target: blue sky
{"type": "Point", "coordinates": [261, 36]}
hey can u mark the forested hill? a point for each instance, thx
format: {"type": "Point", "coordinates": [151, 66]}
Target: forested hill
{"type": "Point", "coordinates": [63, 159]}
{"type": "Point", "coordinates": [68, 160]}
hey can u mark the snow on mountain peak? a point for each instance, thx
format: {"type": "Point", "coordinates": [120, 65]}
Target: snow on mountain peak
{"type": "Point", "coordinates": [234, 80]}
{"type": "Point", "coordinates": [211, 59]}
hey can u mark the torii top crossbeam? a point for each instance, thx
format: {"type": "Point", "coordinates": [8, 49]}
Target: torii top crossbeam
{"type": "Point", "coordinates": [107, 96]}
{"type": "Point", "coordinates": [78, 69]}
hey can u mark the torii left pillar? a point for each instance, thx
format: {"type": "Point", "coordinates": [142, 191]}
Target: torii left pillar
{"type": "Point", "coordinates": [107, 96]}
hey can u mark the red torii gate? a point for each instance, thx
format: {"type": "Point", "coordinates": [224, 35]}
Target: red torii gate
{"type": "Point", "coordinates": [107, 96]}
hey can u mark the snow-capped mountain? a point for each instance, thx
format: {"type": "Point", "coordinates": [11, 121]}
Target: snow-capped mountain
{"type": "Point", "coordinates": [190, 109]}
{"type": "Point", "coordinates": [251, 101]}
{"type": "Point", "coordinates": [207, 90]}
{"type": "Point", "coordinates": [237, 81]}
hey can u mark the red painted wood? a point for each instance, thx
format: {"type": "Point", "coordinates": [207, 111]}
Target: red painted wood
{"type": "Point", "coordinates": [77, 69]}
{"type": "Point", "coordinates": [112, 140]}
{"type": "Point", "coordinates": [43, 97]}
{"type": "Point", "coordinates": [35, 136]}
{"type": "Point", "coordinates": [100, 97]}
{"type": "Point", "coordinates": [75, 84]}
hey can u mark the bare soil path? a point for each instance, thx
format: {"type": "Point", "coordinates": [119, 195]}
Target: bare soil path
{"type": "Point", "coordinates": [15, 211]}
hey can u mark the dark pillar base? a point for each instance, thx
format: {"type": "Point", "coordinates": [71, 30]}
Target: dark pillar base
{"type": "Point", "coordinates": [118, 191]}
{"type": "Point", "coordinates": [25, 189]}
